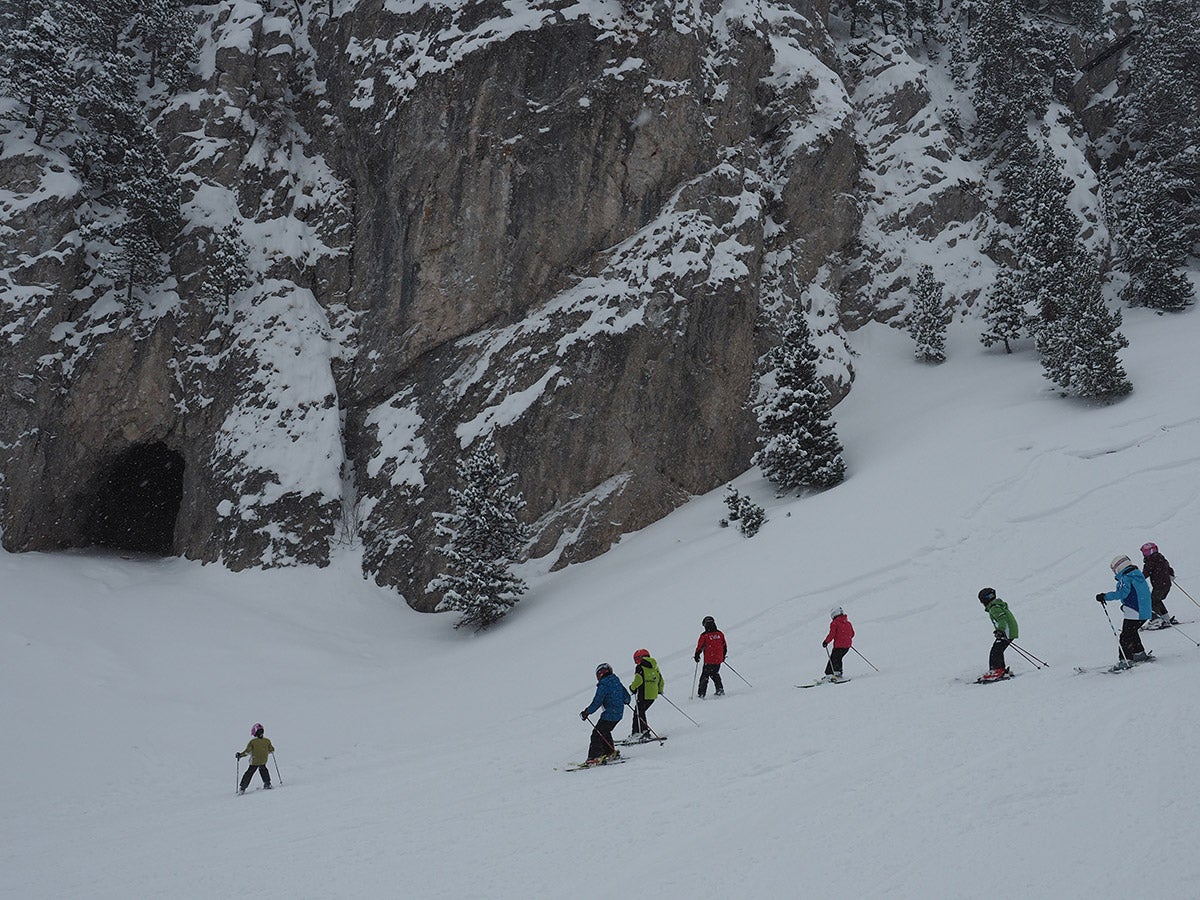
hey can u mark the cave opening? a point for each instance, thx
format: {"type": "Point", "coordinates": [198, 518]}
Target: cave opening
{"type": "Point", "coordinates": [138, 501]}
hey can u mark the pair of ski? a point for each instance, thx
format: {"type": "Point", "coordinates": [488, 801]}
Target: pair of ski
{"type": "Point", "coordinates": [821, 681]}
{"type": "Point", "coordinates": [1123, 665]}
{"type": "Point", "coordinates": [628, 742]}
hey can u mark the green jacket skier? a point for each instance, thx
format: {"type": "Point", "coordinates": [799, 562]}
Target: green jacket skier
{"type": "Point", "coordinates": [259, 749]}
{"type": "Point", "coordinates": [647, 684]}
{"type": "Point", "coordinates": [1004, 629]}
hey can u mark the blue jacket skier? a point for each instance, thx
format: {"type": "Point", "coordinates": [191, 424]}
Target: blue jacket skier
{"type": "Point", "coordinates": [1133, 593]}
{"type": "Point", "coordinates": [611, 695]}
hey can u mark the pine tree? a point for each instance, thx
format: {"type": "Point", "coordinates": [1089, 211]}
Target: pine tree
{"type": "Point", "coordinates": [1045, 245]}
{"type": "Point", "coordinates": [484, 537]}
{"type": "Point", "coordinates": [928, 320]}
{"type": "Point", "coordinates": [1004, 315]}
{"type": "Point", "coordinates": [225, 264]}
{"type": "Point", "coordinates": [1153, 240]}
{"type": "Point", "coordinates": [1008, 84]}
{"type": "Point", "coordinates": [37, 67]}
{"type": "Point", "coordinates": [167, 32]}
{"type": "Point", "coordinates": [1079, 348]}
{"type": "Point", "coordinates": [798, 443]}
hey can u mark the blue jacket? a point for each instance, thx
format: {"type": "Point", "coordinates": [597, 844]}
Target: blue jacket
{"type": "Point", "coordinates": [1132, 591]}
{"type": "Point", "coordinates": [611, 694]}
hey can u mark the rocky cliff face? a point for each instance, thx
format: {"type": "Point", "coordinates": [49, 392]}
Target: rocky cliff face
{"type": "Point", "coordinates": [566, 226]}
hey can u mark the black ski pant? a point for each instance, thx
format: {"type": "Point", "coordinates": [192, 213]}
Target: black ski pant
{"type": "Point", "coordinates": [713, 671]}
{"type": "Point", "coordinates": [602, 740]}
{"type": "Point", "coordinates": [639, 715]}
{"type": "Point", "coordinates": [262, 770]}
{"type": "Point", "coordinates": [835, 660]}
{"type": "Point", "coordinates": [1157, 595]}
{"type": "Point", "coordinates": [1131, 641]}
{"type": "Point", "coordinates": [996, 657]}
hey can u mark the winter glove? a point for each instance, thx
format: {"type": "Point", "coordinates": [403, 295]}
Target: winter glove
{"type": "Point", "coordinates": [696, 657]}
{"type": "Point", "coordinates": [1100, 598]}
{"type": "Point", "coordinates": [583, 714]}
{"type": "Point", "coordinates": [237, 756]}
{"type": "Point", "coordinates": [824, 643]}
{"type": "Point", "coordinates": [1000, 635]}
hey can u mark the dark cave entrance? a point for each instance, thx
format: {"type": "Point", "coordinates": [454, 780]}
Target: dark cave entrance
{"type": "Point", "coordinates": [138, 501]}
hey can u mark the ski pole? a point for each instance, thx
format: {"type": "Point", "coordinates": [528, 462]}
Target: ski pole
{"type": "Point", "coordinates": [1185, 593]}
{"type": "Point", "coordinates": [695, 676]}
{"type": "Point", "coordinates": [1039, 663]}
{"type": "Point", "coordinates": [680, 711]}
{"type": "Point", "coordinates": [647, 724]}
{"type": "Point", "coordinates": [867, 661]}
{"type": "Point", "coordinates": [1184, 633]}
{"type": "Point", "coordinates": [1120, 649]}
{"type": "Point", "coordinates": [738, 674]}
{"type": "Point", "coordinates": [274, 760]}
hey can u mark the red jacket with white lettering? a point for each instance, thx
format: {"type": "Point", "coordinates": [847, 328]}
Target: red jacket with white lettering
{"type": "Point", "coordinates": [712, 644]}
{"type": "Point", "coordinates": [841, 632]}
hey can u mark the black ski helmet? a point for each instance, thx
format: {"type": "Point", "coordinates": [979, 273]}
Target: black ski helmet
{"type": "Point", "coordinates": [709, 622]}
{"type": "Point", "coordinates": [987, 595]}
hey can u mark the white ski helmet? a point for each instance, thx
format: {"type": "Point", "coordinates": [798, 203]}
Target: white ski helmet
{"type": "Point", "coordinates": [1120, 562]}
{"type": "Point", "coordinates": [835, 612]}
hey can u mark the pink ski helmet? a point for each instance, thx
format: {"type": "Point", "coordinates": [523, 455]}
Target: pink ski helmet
{"type": "Point", "coordinates": [1149, 548]}
{"type": "Point", "coordinates": [256, 729]}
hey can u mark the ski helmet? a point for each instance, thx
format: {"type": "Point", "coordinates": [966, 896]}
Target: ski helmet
{"type": "Point", "coordinates": [1120, 562]}
{"type": "Point", "coordinates": [256, 730]}
{"type": "Point", "coordinates": [987, 595]}
{"type": "Point", "coordinates": [835, 612]}
{"type": "Point", "coordinates": [709, 622]}
{"type": "Point", "coordinates": [1149, 548]}
{"type": "Point", "coordinates": [639, 655]}
{"type": "Point", "coordinates": [602, 670]}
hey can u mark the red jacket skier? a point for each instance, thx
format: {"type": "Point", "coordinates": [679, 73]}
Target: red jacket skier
{"type": "Point", "coordinates": [841, 635]}
{"type": "Point", "coordinates": [712, 645]}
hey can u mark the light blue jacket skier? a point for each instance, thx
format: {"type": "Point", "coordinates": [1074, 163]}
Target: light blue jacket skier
{"type": "Point", "coordinates": [1132, 590]}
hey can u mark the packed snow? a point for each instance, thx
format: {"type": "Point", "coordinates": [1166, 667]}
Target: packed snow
{"type": "Point", "coordinates": [420, 761]}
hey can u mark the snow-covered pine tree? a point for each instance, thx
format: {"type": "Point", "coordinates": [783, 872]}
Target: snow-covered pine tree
{"type": "Point", "coordinates": [37, 68]}
{"type": "Point", "coordinates": [225, 264]}
{"type": "Point", "coordinates": [1046, 241]}
{"type": "Point", "coordinates": [483, 538]}
{"type": "Point", "coordinates": [798, 443]}
{"type": "Point", "coordinates": [167, 32]}
{"type": "Point", "coordinates": [1152, 239]}
{"type": "Point", "coordinates": [1007, 83]}
{"type": "Point", "coordinates": [1080, 347]}
{"type": "Point", "coordinates": [1005, 318]}
{"type": "Point", "coordinates": [928, 320]}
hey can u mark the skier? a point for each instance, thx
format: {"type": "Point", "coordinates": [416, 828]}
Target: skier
{"type": "Point", "coordinates": [610, 694]}
{"type": "Point", "coordinates": [712, 645]}
{"type": "Point", "coordinates": [647, 684]}
{"type": "Point", "coordinates": [1134, 594]}
{"type": "Point", "coordinates": [1004, 624]}
{"type": "Point", "coordinates": [841, 634]}
{"type": "Point", "coordinates": [258, 749]}
{"type": "Point", "coordinates": [1159, 573]}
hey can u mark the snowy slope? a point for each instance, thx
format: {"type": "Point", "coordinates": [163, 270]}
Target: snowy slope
{"type": "Point", "coordinates": [420, 762]}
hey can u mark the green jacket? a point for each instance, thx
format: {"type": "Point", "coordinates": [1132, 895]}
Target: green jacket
{"type": "Point", "coordinates": [1002, 618]}
{"type": "Point", "coordinates": [648, 678]}
{"type": "Point", "coordinates": [258, 750]}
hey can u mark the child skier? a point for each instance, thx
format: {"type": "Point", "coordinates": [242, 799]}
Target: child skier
{"type": "Point", "coordinates": [1004, 625]}
{"type": "Point", "coordinates": [258, 749]}
{"type": "Point", "coordinates": [647, 684]}
{"type": "Point", "coordinates": [841, 634]}
{"type": "Point", "coordinates": [1159, 573]}
{"type": "Point", "coordinates": [610, 694]}
{"type": "Point", "coordinates": [1134, 594]}
{"type": "Point", "coordinates": [712, 645]}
